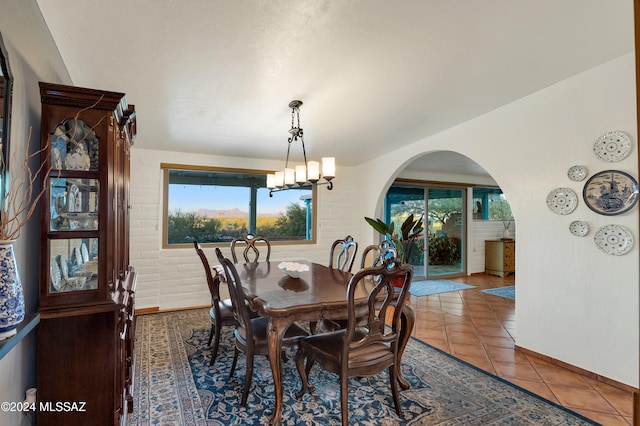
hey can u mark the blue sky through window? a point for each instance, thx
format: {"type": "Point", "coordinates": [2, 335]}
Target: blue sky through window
{"type": "Point", "coordinates": [187, 198]}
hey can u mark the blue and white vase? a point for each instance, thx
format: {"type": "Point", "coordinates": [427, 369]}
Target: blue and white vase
{"type": "Point", "coordinates": [11, 295]}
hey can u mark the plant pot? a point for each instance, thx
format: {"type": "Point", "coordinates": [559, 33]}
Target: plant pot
{"type": "Point", "coordinates": [398, 282]}
{"type": "Point", "coordinates": [11, 294]}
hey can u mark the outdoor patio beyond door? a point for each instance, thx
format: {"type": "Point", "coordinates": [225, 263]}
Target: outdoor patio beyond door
{"type": "Point", "coordinates": [440, 251]}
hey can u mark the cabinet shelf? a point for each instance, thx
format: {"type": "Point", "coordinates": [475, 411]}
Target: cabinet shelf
{"type": "Point", "coordinates": [23, 331]}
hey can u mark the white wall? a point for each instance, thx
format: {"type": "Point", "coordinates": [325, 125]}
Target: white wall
{"type": "Point", "coordinates": [33, 57]}
{"type": "Point", "coordinates": [575, 303]}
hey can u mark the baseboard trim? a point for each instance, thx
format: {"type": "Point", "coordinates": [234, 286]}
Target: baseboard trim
{"type": "Point", "coordinates": [582, 371]}
{"type": "Point", "coordinates": [157, 310]}
{"type": "Point", "coordinates": [146, 311]}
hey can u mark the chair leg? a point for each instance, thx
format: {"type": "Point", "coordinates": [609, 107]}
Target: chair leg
{"type": "Point", "coordinates": [307, 369]}
{"type": "Point", "coordinates": [300, 358]}
{"type": "Point", "coordinates": [247, 380]}
{"type": "Point", "coordinates": [211, 334]}
{"type": "Point", "coordinates": [313, 325]}
{"type": "Point", "coordinates": [233, 364]}
{"type": "Point", "coordinates": [344, 399]}
{"type": "Point", "coordinates": [216, 343]}
{"type": "Point", "coordinates": [393, 376]}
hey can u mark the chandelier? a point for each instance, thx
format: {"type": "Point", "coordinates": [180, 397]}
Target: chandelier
{"type": "Point", "coordinates": [303, 175]}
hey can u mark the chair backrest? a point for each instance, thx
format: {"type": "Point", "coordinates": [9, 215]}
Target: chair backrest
{"type": "Point", "coordinates": [240, 308]}
{"type": "Point", "coordinates": [343, 254]}
{"type": "Point", "coordinates": [378, 281]}
{"type": "Point", "coordinates": [213, 280]}
{"type": "Point", "coordinates": [251, 248]}
{"type": "Point", "coordinates": [375, 254]}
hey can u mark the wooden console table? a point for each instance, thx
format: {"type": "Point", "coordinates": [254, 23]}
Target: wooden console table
{"type": "Point", "coordinates": [500, 257]}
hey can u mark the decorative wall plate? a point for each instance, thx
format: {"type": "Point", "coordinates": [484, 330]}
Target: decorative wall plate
{"type": "Point", "coordinates": [612, 146]}
{"type": "Point", "coordinates": [610, 192]}
{"type": "Point", "coordinates": [577, 173]}
{"type": "Point", "coordinates": [579, 228]}
{"type": "Point", "coordinates": [615, 240]}
{"type": "Point", "coordinates": [562, 200]}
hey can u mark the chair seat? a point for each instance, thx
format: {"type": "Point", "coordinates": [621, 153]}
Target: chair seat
{"type": "Point", "coordinates": [260, 326]}
{"type": "Point", "coordinates": [330, 347]}
{"type": "Point", "coordinates": [226, 310]}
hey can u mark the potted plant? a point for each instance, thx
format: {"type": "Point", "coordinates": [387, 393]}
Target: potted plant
{"type": "Point", "coordinates": [410, 231]}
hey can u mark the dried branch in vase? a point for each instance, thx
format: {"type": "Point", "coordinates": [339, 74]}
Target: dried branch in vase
{"type": "Point", "coordinates": [19, 202]}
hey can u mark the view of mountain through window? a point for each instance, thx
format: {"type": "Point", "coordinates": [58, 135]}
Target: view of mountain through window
{"type": "Point", "coordinates": [215, 207]}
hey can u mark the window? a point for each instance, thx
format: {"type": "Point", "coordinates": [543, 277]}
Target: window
{"type": "Point", "coordinates": [490, 204]}
{"type": "Point", "coordinates": [213, 205]}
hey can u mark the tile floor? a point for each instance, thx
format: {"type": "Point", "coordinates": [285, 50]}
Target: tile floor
{"type": "Point", "coordinates": [480, 328]}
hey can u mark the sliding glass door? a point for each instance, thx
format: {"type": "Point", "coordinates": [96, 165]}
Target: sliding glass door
{"type": "Point", "coordinates": [439, 253]}
{"type": "Point", "coordinates": [402, 201]}
{"type": "Point", "coordinates": [446, 233]}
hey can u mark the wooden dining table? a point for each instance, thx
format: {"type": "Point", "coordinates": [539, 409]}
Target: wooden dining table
{"type": "Point", "coordinates": [318, 294]}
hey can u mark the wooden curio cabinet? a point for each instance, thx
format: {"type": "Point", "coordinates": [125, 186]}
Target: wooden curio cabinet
{"type": "Point", "coordinates": [87, 287]}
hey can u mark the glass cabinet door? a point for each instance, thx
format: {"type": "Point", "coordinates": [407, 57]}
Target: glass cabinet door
{"type": "Point", "coordinates": [73, 204]}
{"type": "Point", "coordinates": [75, 146]}
{"type": "Point", "coordinates": [73, 264]}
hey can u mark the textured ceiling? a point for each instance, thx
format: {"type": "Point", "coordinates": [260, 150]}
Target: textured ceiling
{"type": "Point", "coordinates": [216, 77]}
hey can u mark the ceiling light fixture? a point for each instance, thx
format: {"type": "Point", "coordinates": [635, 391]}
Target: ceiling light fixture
{"type": "Point", "coordinates": [303, 175]}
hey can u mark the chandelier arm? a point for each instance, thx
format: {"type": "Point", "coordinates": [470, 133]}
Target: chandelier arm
{"type": "Point", "coordinates": [328, 184]}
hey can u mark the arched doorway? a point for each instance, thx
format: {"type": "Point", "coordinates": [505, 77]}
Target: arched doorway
{"type": "Point", "coordinates": [462, 207]}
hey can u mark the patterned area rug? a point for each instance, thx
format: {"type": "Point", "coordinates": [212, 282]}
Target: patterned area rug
{"type": "Point", "coordinates": [427, 287]}
{"type": "Point", "coordinates": [174, 385]}
{"type": "Point", "coordinates": [508, 292]}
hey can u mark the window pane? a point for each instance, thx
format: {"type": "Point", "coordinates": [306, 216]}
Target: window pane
{"type": "Point", "coordinates": [285, 216]}
{"type": "Point", "coordinates": [215, 207]}
{"type": "Point", "coordinates": [207, 213]}
{"type": "Point", "coordinates": [490, 204]}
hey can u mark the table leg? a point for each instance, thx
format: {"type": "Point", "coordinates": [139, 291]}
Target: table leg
{"type": "Point", "coordinates": [275, 333]}
{"type": "Point", "coordinates": [407, 321]}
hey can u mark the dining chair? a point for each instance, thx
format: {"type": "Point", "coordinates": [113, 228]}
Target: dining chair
{"type": "Point", "coordinates": [374, 254]}
{"type": "Point", "coordinates": [251, 333]}
{"type": "Point", "coordinates": [221, 312]}
{"type": "Point", "coordinates": [342, 254]}
{"type": "Point", "coordinates": [250, 246]}
{"type": "Point", "coordinates": [361, 350]}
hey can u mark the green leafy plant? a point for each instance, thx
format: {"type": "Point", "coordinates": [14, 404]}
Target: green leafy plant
{"type": "Point", "coordinates": [443, 250]}
{"type": "Point", "coordinates": [410, 231]}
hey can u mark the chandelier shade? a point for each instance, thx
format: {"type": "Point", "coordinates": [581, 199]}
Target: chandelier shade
{"type": "Point", "coordinates": [304, 175]}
